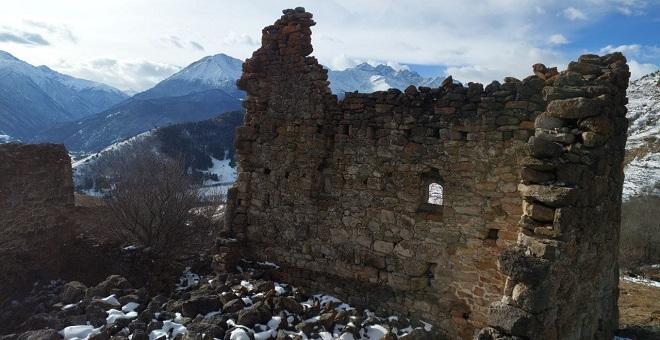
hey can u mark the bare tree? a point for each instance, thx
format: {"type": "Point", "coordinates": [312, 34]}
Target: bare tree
{"type": "Point", "coordinates": [158, 206]}
{"type": "Point", "coordinates": [640, 232]}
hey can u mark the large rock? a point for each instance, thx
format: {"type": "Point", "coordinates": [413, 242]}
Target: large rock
{"type": "Point", "coordinates": [113, 284]}
{"type": "Point", "coordinates": [259, 313]}
{"type": "Point", "coordinates": [575, 108]}
{"type": "Point", "coordinates": [42, 334]}
{"type": "Point", "coordinates": [72, 292]}
{"type": "Point", "coordinates": [521, 267]}
{"type": "Point", "coordinates": [201, 305]}
{"type": "Point", "coordinates": [512, 320]}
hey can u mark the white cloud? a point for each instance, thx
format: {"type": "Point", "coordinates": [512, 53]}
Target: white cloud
{"type": "Point", "coordinates": [342, 62]}
{"type": "Point", "coordinates": [625, 49]}
{"type": "Point", "coordinates": [197, 45]}
{"type": "Point", "coordinates": [572, 13]}
{"type": "Point", "coordinates": [637, 69]}
{"type": "Point", "coordinates": [397, 66]}
{"type": "Point", "coordinates": [233, 38]}
{"type": "Point", "coordinates": [558, 39]}
{"type": "Point", "coordinates": [481, 39]}
{"type": "Point", "coordinates": [131, 75]}
{"type": "Point", "coordinates": [61, 30]}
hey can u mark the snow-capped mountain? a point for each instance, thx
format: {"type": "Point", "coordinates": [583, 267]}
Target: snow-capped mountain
{"type": "Point", "coordinates": [200, 91]}
{"type": "Point", "coordinates": [35, 98]}
{"type": "Point", "coordinates": [219, 71]}
{"type": "Point", "coordinates": [643, 146]}
{"type": "Point", "coordinates": [368, 78]}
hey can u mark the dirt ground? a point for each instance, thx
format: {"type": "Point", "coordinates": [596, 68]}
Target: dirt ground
{"type": "Point", "coordinates": [639, 310]}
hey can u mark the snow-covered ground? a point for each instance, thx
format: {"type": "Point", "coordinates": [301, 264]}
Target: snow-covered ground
{"type": "Point", "coordinates": [643, 172]}
{"type": "Point", "coordinates": [642, 176]}
{"type": "Point", "coordinates": [225, 173]}
{"type": "Point", "coordinates": [88, 160]}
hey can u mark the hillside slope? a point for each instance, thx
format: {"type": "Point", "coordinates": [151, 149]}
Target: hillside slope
{"type": "Point", "coordinates": [643, 148]}
{"type": "Point", "coordinates": [206, 148]}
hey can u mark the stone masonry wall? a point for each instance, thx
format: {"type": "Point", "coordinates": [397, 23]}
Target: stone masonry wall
{"type": "Point", "coordinates": [40, 172]}
{"type": "Point", "coordinates": [562, 276]}
{"type": "Point", "coordinates": [335, 192]}
{"type": "Point", "coordinates": [36, 198]}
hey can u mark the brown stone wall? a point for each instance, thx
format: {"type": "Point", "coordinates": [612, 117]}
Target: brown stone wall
{"type": "Point", "coordinates": [335, 191]}
{"type": "Point", "coordinates": [36, 197]}
{"type": "Point", "coordinates": [41, 173]}
{"type": "Point", "coordinates": [563, 273]}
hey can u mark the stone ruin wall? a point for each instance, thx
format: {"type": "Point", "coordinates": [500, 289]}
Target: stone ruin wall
{"type": "Point", "coordinates": [335, 192]}
{"type": "Point", "coordinates": [36, 198]}
{"type": "Point", "coordinates": [41, 173]}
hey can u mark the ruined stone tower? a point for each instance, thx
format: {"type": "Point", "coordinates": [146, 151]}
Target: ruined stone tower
{"type": "Point", "coordinates": [467, 207]}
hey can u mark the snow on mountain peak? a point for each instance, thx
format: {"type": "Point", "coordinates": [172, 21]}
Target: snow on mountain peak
{"type": "Point", "coordinates": [73, 82]}
{"type": "Point", "coordinates": [366, 77]}
{"type": "Point", "coordinates": [7, 56]}
{"type": "Point", "coordinates": [43, 74]}
{"type": "Point", "coordinates": [216, 70]}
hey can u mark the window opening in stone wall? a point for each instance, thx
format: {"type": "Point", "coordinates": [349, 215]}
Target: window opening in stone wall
{"type": "Point", "coordinates": [432, 192]}
{"type": "Point", "coordinates": [435, 194]}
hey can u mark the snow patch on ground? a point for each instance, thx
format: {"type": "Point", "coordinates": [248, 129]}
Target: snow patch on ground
{"type": "Point", "coordinates": [642, 176]}
{"type": "Point", "coordinates": [170, 328]}
{"type": "Point", "coordinates": [114, 147]}
{"type": "Point", "coordinates": [187, 280]}
{"type": "Point", "coordinates": [80, 332]}
{"type": "Point", "coordinates": [225, 173]}
{"type": "Point", "coordinates": [642, 281]}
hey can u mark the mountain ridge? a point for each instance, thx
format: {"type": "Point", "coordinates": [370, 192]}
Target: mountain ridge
{"type": "Point", "coordinates": [36, 97]}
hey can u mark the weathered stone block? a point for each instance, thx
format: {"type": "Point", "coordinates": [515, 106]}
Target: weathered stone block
{"type": "Point", "coordinates": [512, 320]}
{"type": "Point", "coordinates": [545, 121]}
{"type": "Point", "coordinates": [538, 212]}
{"type": "Point", "coordinates": [544, 149]}
{"type": "Point", "coordinates": [553, 196]}
{"type": "Point", "coordinates": [574, 108]}
{"type": "Point", "coordinates": [383, 247]}
{"type": "Point", "coordinates": [521, 267]}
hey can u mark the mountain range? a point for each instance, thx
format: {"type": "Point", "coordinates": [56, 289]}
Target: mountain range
{"type": "Point", "coordinates": [35, 98]}
{"type": "Point", "coordinates": [368, 78]}
{"type": "Point", "coordinates": [198, 92]}
{"type": "Point", "coordinates": [96, 115]}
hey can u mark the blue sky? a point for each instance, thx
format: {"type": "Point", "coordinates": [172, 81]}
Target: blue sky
{"type": "Point", "coordinates": [636, 33]}
{"type": "Point", "coordinates": [134, 44]}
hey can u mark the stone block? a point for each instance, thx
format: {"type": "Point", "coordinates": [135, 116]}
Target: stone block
{"type": "Point", "coordinates": [383, 247]}
{"type": "Point", "coordinates": [544, 149]}
{"type": "Point", "coordinates": [539, 212]}
{"type": "Point", "coordinates": [512, 320]}
{"type": "Point", "coordinates": [550, 195]}
{"type": "Point", "coordinates": [575, 108]}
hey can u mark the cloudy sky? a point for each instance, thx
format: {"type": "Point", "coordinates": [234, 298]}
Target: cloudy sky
{"type": "Point", "coordinates": [132, 44]}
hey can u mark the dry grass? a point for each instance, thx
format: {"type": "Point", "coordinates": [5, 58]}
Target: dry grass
{"type": "Point", "coordinates": [639, 310]}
